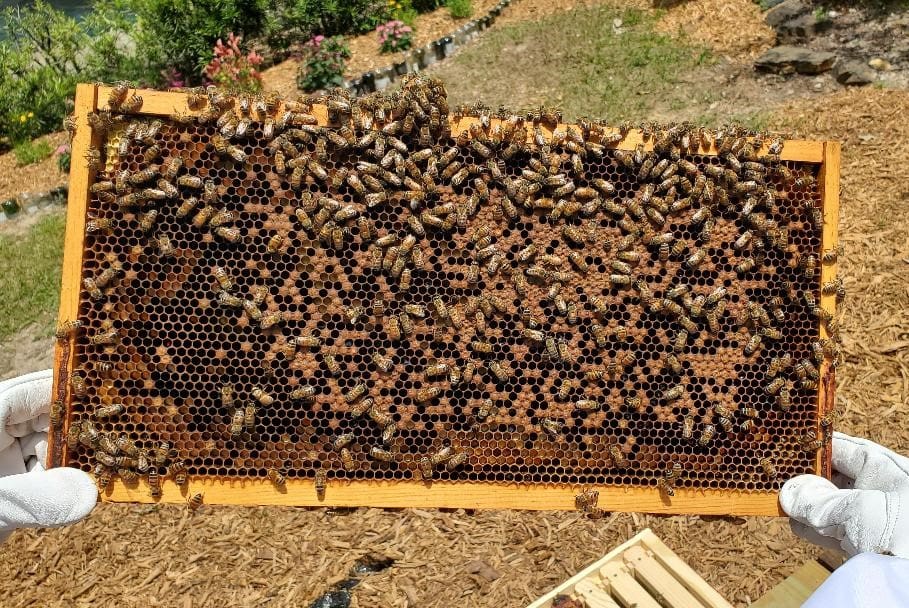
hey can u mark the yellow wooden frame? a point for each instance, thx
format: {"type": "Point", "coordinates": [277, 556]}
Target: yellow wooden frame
{"type": "Point", "coordinates": [90, 98]}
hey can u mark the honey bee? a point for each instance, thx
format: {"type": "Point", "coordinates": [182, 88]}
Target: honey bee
{"type": "Point", "coordinates": [165, 247]}
{"type": "Point", "coordinates": [331, 363]}
{"type": "Point", "coordinates": [670, 476]}
{"type": "Point", "coordinates": [249, 417]}
{"type": "Point", "coordinates": [779, 364]}
{"type": "Point", "coordinates": [178, 472]}
{"type": "Point", "coordinates": [768, 468]}
{"type": "Point", "coordinates": [264, 399]}
{"type": "Point", "coordinates": [319, 482]}
{"type": "Point", "coordinates": [707, 434]}
{"type": "Point", "coordinates": [696, 259]}
{"type": "Point", "coordinates": [195, 501]}
{"type": "Point", "coordinates": [499, 371]}
{"type": "Point", "coordinates": [117, 95]}
{"type": "Point", "coordinates": [586, 500]}
{"type": "Point", "coordinates": [236, 423]}
{"type": "Point", "coordinates": [304, 393]}
{"type": "Point", "coordinates": [77, 383]}
{"type": "Point", "coordinates": [380, 454]}
{"type": "Point", "coordinates": [753, 344]}
{"type": "Point", "coordinates": [231, 235]}
{"type": "Point", "coordinates": [131, 105]}
{"type": "Point", "coordinates": [109, 411]}
{"type": "Point", "coordinates": [355, 393]}
{"type": "Point", "coordinates": [105, 338]}
{"type": "Point", "coordinates": [426, 394]}
{"type": "Point", "coordinates": [527, 254]}
{"type": "Point", "coordinates": [277, 478]}
{"type": "Point", "coordinates": [784, 399]}
{"type": "Point", "coordinates": [587, 405]}
{"type": "Point", "coordinates": [688, 427]}
{"type": "Point", "coordinates": [187, 207]}
{"type": "Point", "coordinates": [274, 244]}
{"type": "Point", "coordinates": [552, 426]}
{"type": "Point", "coordinates": [223, 278]}
{"type": "Point", "coordinates": [154, 483]}
{"type": "Point", "coordinates": [810, 441]}
{"type": "Point", "coordinates": [673, 393]}
{"type": "Point", "coordinates": [617, 456]}
{"type": "Point", "coordinates": [573, 235]}
{"type": "Point", "coordinates": [832, 255]}
{"type": "Point", "coordinates": [808, 264]}
{"type": "Point", "coordinates": [457, 460]}
{"type": "Point", "coordinates": [67, 328]}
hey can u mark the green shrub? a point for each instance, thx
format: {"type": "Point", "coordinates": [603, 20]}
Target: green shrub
{"type": "Point", "coordinates": [402, 10]}
{"type": "Point", "coordinates": [290, 22]}
{"type": "Point", "coordinates": [119, 50]}
{"type": "Point", "coordinates": [182, 33]}
{"type": "Point", "coordinates": [324, 66]}
{"type": "Point", "coordinates": [31, 152]}
{"type": "Point", "coordinates": [459, 9]}
{"type": "Point", "coordinates": [39, 60]}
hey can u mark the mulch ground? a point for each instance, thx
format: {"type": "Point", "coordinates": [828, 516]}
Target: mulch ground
{"type": "Point", "coordinates": [39, 177]}
{"type": "Point", "coordinates": [735, 28]}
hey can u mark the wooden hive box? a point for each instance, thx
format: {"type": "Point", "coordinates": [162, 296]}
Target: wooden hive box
{"type": "Point", "coordinates": [177, 345]}
{"type": "Point", "coordinates": [641, 572]}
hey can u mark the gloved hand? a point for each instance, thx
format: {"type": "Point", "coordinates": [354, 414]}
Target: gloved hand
{"type": "Point", "coordinates": [864, 508]}
{"type": "Point", "coordinates": [31, 497]}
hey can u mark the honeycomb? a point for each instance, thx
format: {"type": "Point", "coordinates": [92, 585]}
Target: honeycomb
{"type": "Point", "coordinates": [385, 298]}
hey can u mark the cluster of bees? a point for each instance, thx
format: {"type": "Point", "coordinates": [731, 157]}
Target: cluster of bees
{"type": "Point", "coordinates": [408, 160]}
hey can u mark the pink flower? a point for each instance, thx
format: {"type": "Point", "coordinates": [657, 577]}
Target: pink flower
{"type": "Point", "coordinates": [62, 149]}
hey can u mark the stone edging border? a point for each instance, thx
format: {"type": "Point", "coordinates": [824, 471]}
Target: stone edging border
{"type": "Point", "coordinates": [419, 59]}
{"type": "Point", "coordinates": [29, 202]}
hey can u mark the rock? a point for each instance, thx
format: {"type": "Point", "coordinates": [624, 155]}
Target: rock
{"type": "Point", "coordinates": [786, 11]}
{"type": "Point", "coordinates": [769, 4]}
{"type": "Point", "coordinates": [667, 3]}
{"type": "Point", "coordinates": [10, 206]}
{"type": "Point", "coordinates": [481, 568]}
{"type": "Point", "coordinates": [802, 27]}
{"type": "Point", "coordinates": [881, 65]}
{"type": "Point", "coordinates": [616, 23]}
{"type": "Point", "coordinates": [789, 59]}
{"type": "Point", "coordinates": [853, 73]}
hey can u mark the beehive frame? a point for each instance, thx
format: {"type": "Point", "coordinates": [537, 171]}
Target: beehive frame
{"type": "Point", "coordinates": [414, 493]}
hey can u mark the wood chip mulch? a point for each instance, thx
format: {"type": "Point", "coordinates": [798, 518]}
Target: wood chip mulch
{"type": "Point", "coordinates": [39, 177]}
{"type": "Point", "coordinates": [727, 27]}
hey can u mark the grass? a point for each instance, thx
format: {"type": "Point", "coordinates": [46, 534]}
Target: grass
{"type": "Point", "coordinates": [459, 9]}
{"type": "Point", "coordinates": [578, 60]}
{"type": "Point", "coordinates": [30, 279]}
{"type": "Point", "coordinates": [31, 152]}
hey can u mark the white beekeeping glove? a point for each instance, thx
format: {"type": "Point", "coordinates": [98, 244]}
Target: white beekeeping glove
{"type": "Point", "coordinates": [31, 497]}
{"type": "Point", "coordinates": [867, 509]}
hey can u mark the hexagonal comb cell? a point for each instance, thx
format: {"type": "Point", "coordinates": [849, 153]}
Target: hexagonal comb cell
{"type": "Point", "coordinates": [412, 293]}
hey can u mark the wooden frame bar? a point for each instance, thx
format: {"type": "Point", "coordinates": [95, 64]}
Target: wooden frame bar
{"type": "Point", "coordinates": [90, 98]}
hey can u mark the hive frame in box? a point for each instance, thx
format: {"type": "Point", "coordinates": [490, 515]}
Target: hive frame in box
{"type": "Point", "coordinates": [300, 492]}
{"type": "Point", "coordinates": [642, 571]}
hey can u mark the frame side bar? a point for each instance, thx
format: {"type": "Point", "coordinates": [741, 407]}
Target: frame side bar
{"type": "Point", "coordinates": [829, 183]}
{"type": "Point", "coordinates": [73, 247]}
